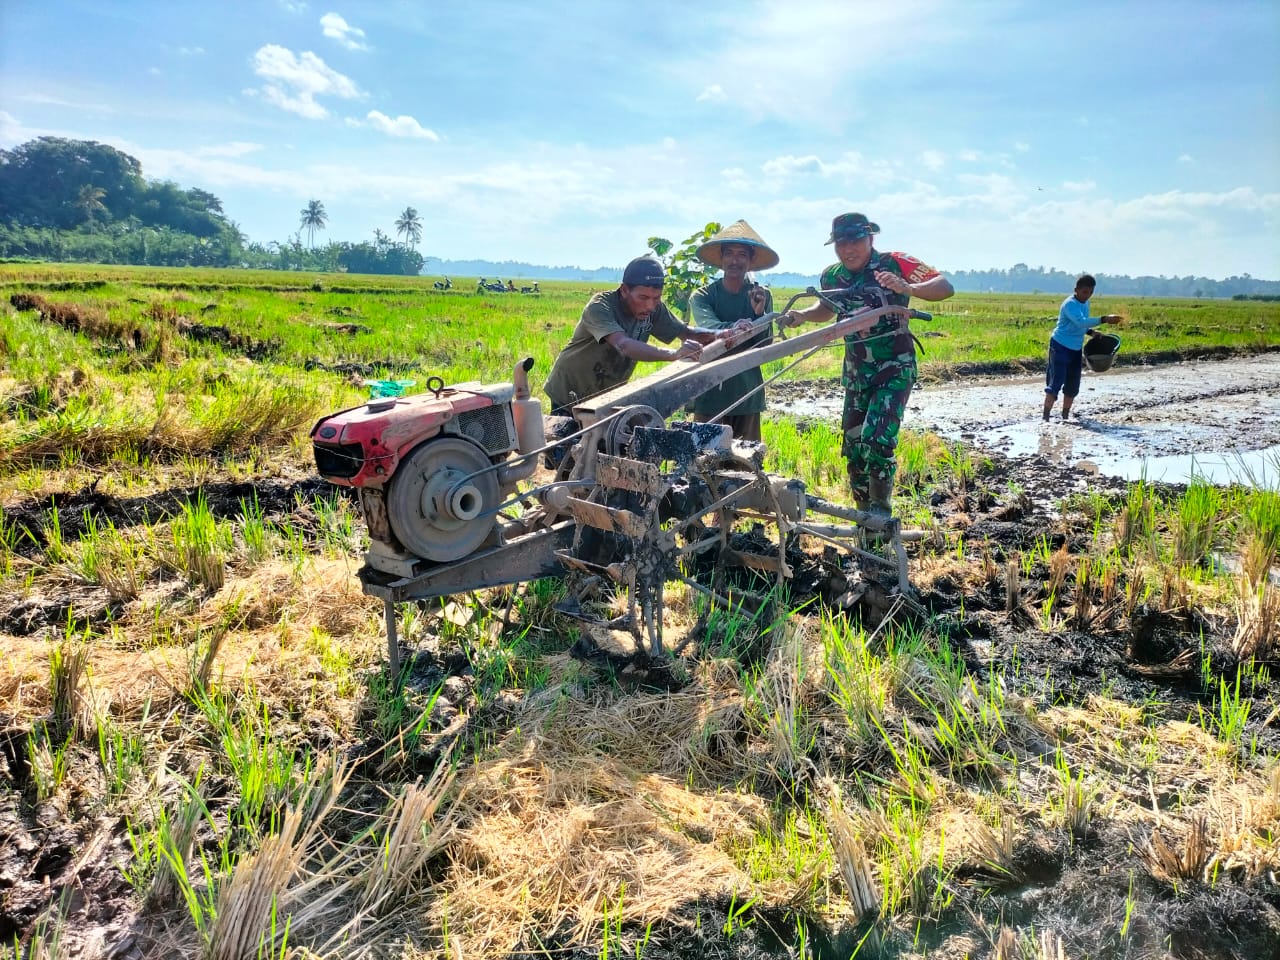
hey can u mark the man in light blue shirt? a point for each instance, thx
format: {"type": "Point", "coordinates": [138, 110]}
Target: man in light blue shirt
{"type": "Point", "coordinates": [1066, 344]}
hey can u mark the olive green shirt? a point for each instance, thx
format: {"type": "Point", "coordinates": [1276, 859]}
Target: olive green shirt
{"type": "Point", "coordinates": [715, 308]}
{"type": "Point", "coordinates": [587, 365]}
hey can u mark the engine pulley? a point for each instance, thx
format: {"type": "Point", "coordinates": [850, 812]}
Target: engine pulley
{"type": "Point", "coordinates": [437, 508]}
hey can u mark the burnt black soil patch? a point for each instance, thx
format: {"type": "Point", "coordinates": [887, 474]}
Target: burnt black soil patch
{"type": "Point", "coordinates": [368, 369]}
{"type": "Point", "coordinates": [275, 499]}
{"type": "Point", "coordinates": [228, 339]}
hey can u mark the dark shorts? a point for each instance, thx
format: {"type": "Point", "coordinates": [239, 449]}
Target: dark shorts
{"type": "Point", "coordinates": [1064, 370]}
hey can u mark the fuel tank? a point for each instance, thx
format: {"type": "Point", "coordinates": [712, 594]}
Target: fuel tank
{"type": "Point", "coordinates": [362, 446]}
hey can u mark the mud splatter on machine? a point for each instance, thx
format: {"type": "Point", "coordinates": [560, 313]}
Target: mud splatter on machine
{"type": "Point", "coordinates": [634, 503]}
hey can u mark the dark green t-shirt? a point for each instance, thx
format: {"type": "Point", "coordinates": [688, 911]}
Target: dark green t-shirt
{"type": "Point", "coordinates": [587, 365]}
{"type": "Point", "coordinates": [715, 308]}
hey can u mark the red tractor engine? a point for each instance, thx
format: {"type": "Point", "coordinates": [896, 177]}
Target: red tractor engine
{"type": "Point", "coordinates": [431, 469]}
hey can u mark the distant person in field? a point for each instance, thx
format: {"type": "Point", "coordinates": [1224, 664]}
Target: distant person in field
{"type": "Point", "coordinates": [1066, 346]}
{"type": "Point", "coordinates": [879, 365]}
{"type": "Point", "coordinates": [724, 303]}
{"type": "Point", "coordinates": [612, 335]}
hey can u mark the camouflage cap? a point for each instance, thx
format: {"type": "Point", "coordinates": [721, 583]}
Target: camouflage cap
{"type": "Point", "coordinates": [851, 226]}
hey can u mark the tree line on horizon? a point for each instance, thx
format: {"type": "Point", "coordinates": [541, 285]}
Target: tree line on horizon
{"type": "Point", "coordinates": [84, 201]}
{"type": "Point", "coordinates": [78, 200]}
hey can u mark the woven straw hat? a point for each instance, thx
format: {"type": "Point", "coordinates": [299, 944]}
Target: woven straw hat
{"type": "Point", "coordinates": [739, 232]}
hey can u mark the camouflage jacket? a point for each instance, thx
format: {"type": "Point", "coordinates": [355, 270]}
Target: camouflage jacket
{"type": "Point", "coordinates": [887, 341]}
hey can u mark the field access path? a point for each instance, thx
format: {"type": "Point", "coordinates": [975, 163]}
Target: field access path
{"type": "Point", "coordinates": [1218, 418]}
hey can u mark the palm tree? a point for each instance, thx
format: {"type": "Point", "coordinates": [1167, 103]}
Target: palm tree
{"type": "Point", "coordinates": [409, 225]}
{"type": "Point", "coordinates": [89, 202]}
{"type": "Point", "coordinates": [313, 218]}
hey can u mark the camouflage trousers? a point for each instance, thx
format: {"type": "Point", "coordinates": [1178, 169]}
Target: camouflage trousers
{"type": "Point", "coordinates": [876, 395]}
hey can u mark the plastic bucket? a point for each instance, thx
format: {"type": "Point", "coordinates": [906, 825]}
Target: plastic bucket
{"type": "Point", "coordinates": [1100, 351]}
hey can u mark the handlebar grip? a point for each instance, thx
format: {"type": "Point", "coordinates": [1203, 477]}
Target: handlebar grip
{"type": "Point", "coordinates": [919, 315]}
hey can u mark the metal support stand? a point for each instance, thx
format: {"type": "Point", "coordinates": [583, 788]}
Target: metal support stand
{"type": "Point", "coordinates": [393, 642]}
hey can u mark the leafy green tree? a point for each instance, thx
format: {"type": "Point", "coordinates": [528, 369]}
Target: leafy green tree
{"type": "Point", "coordinates": [409, 226]}
{"type": "Point", "coordinates": [41, 180]}
{"type": "Point", "coordinates": [685, 272]}
{"type": "Point", "coordinates": [206, 199]}
{"type": "Point", "coordinates": [313, 218]}
{"type": "Point", "coordinates": [89, 202]}
{"type": "Point", "coordinates": [367, 258]}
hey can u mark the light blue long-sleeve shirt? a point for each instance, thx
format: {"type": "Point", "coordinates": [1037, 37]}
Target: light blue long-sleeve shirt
{"type": "Point", "coordinates": [1073, 321]}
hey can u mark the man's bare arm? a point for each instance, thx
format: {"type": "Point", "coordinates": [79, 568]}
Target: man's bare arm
{"type": "Point", "coordinates": [816, 313]}
{"type": "Point", "coordinates": [634, 349]}
{"type": "Point", "coordinates": [935, 288]}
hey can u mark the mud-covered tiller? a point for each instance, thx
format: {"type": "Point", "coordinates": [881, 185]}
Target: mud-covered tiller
{"type": "Point", "coordinates": [635, 503]}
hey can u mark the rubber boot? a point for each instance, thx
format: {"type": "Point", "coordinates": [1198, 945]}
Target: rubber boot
{"type": "Point", "coordinates": [858, 487]}
{"type": "Point", "coordinates": [881, 496]}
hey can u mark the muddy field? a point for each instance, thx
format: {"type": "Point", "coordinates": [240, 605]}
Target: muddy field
{"type": "Point", "coordinates": [1130, 421]}
{"type": "Point", "coordinates": [1087, 686]}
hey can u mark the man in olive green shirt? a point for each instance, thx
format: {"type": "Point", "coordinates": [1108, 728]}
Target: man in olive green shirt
{"type": "Point", "coordinates": [724, 303]}
{"type": "Point", "coordinates": [612, 336]}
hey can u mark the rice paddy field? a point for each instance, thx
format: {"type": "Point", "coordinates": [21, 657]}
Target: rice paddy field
{"type": "Point", "coordinates": [1070, 753]}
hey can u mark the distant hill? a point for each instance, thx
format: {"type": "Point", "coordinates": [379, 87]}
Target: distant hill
{"type": "Point", "coordinates": [1019, 278]}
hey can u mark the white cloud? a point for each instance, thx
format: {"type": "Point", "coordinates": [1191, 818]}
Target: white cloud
{"type": "Point", "coordinates": [781, 65]}
{"type": "Point", "coordinates": [1180, 204]}
{"type": "Point", "coordinates": [191, 51]}
{"type": "Point", "coordinates": [982, 156]}
{"type": "Point", "coordinates": [235, 148]}
{"type": "Point", "coordinates": [59, 102]}
{"type": "Point", "coordinates": [789, 166]}
{"type": "Point", "coordinates": [1186, 158]}
{"type": "Point", "coordinates": [850, 166]}
{"type": "Point", "coordinates": [401, 126]}
{"type": "Point", "coordinates": [1079, 186]}
{"type": "Point", "coordinates": [153, 71]}
{"type": "Point", "coordinates": [294, 82]}
{"type": "Point", "coordinates": [337, 28]}
{"type": "Point", "coordinates": [1021, 147]}
{"type": "Point", "coordinates": [293, 6]}
{"type": "Point", "coordinates": [735, 178]}
{"type": "Point", "coordinates": [12, 132]}
{"type": "Point", "coordinates": [933, 160]}
{"type": "Point", "coordinates": [713, 94]}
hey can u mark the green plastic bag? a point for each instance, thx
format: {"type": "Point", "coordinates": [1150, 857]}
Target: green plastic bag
{"type": "Point", "coordinates": [388, 388]}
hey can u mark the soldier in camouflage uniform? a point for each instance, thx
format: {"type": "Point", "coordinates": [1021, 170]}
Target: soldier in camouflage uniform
{"type": "Point", "coordinates": [880, 365]}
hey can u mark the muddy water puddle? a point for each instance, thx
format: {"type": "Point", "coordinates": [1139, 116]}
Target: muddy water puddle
{"type": "Point", "coordinates": [1218, 419]}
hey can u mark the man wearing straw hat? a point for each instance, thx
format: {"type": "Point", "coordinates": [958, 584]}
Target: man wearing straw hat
{"type": "Point", "coordinates": [724, 303]}
{"type": "Point", "coordinates": [879, 365]}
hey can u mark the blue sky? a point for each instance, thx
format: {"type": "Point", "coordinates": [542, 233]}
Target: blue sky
{"type": "Point", "coordinates": [1139, 137]}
